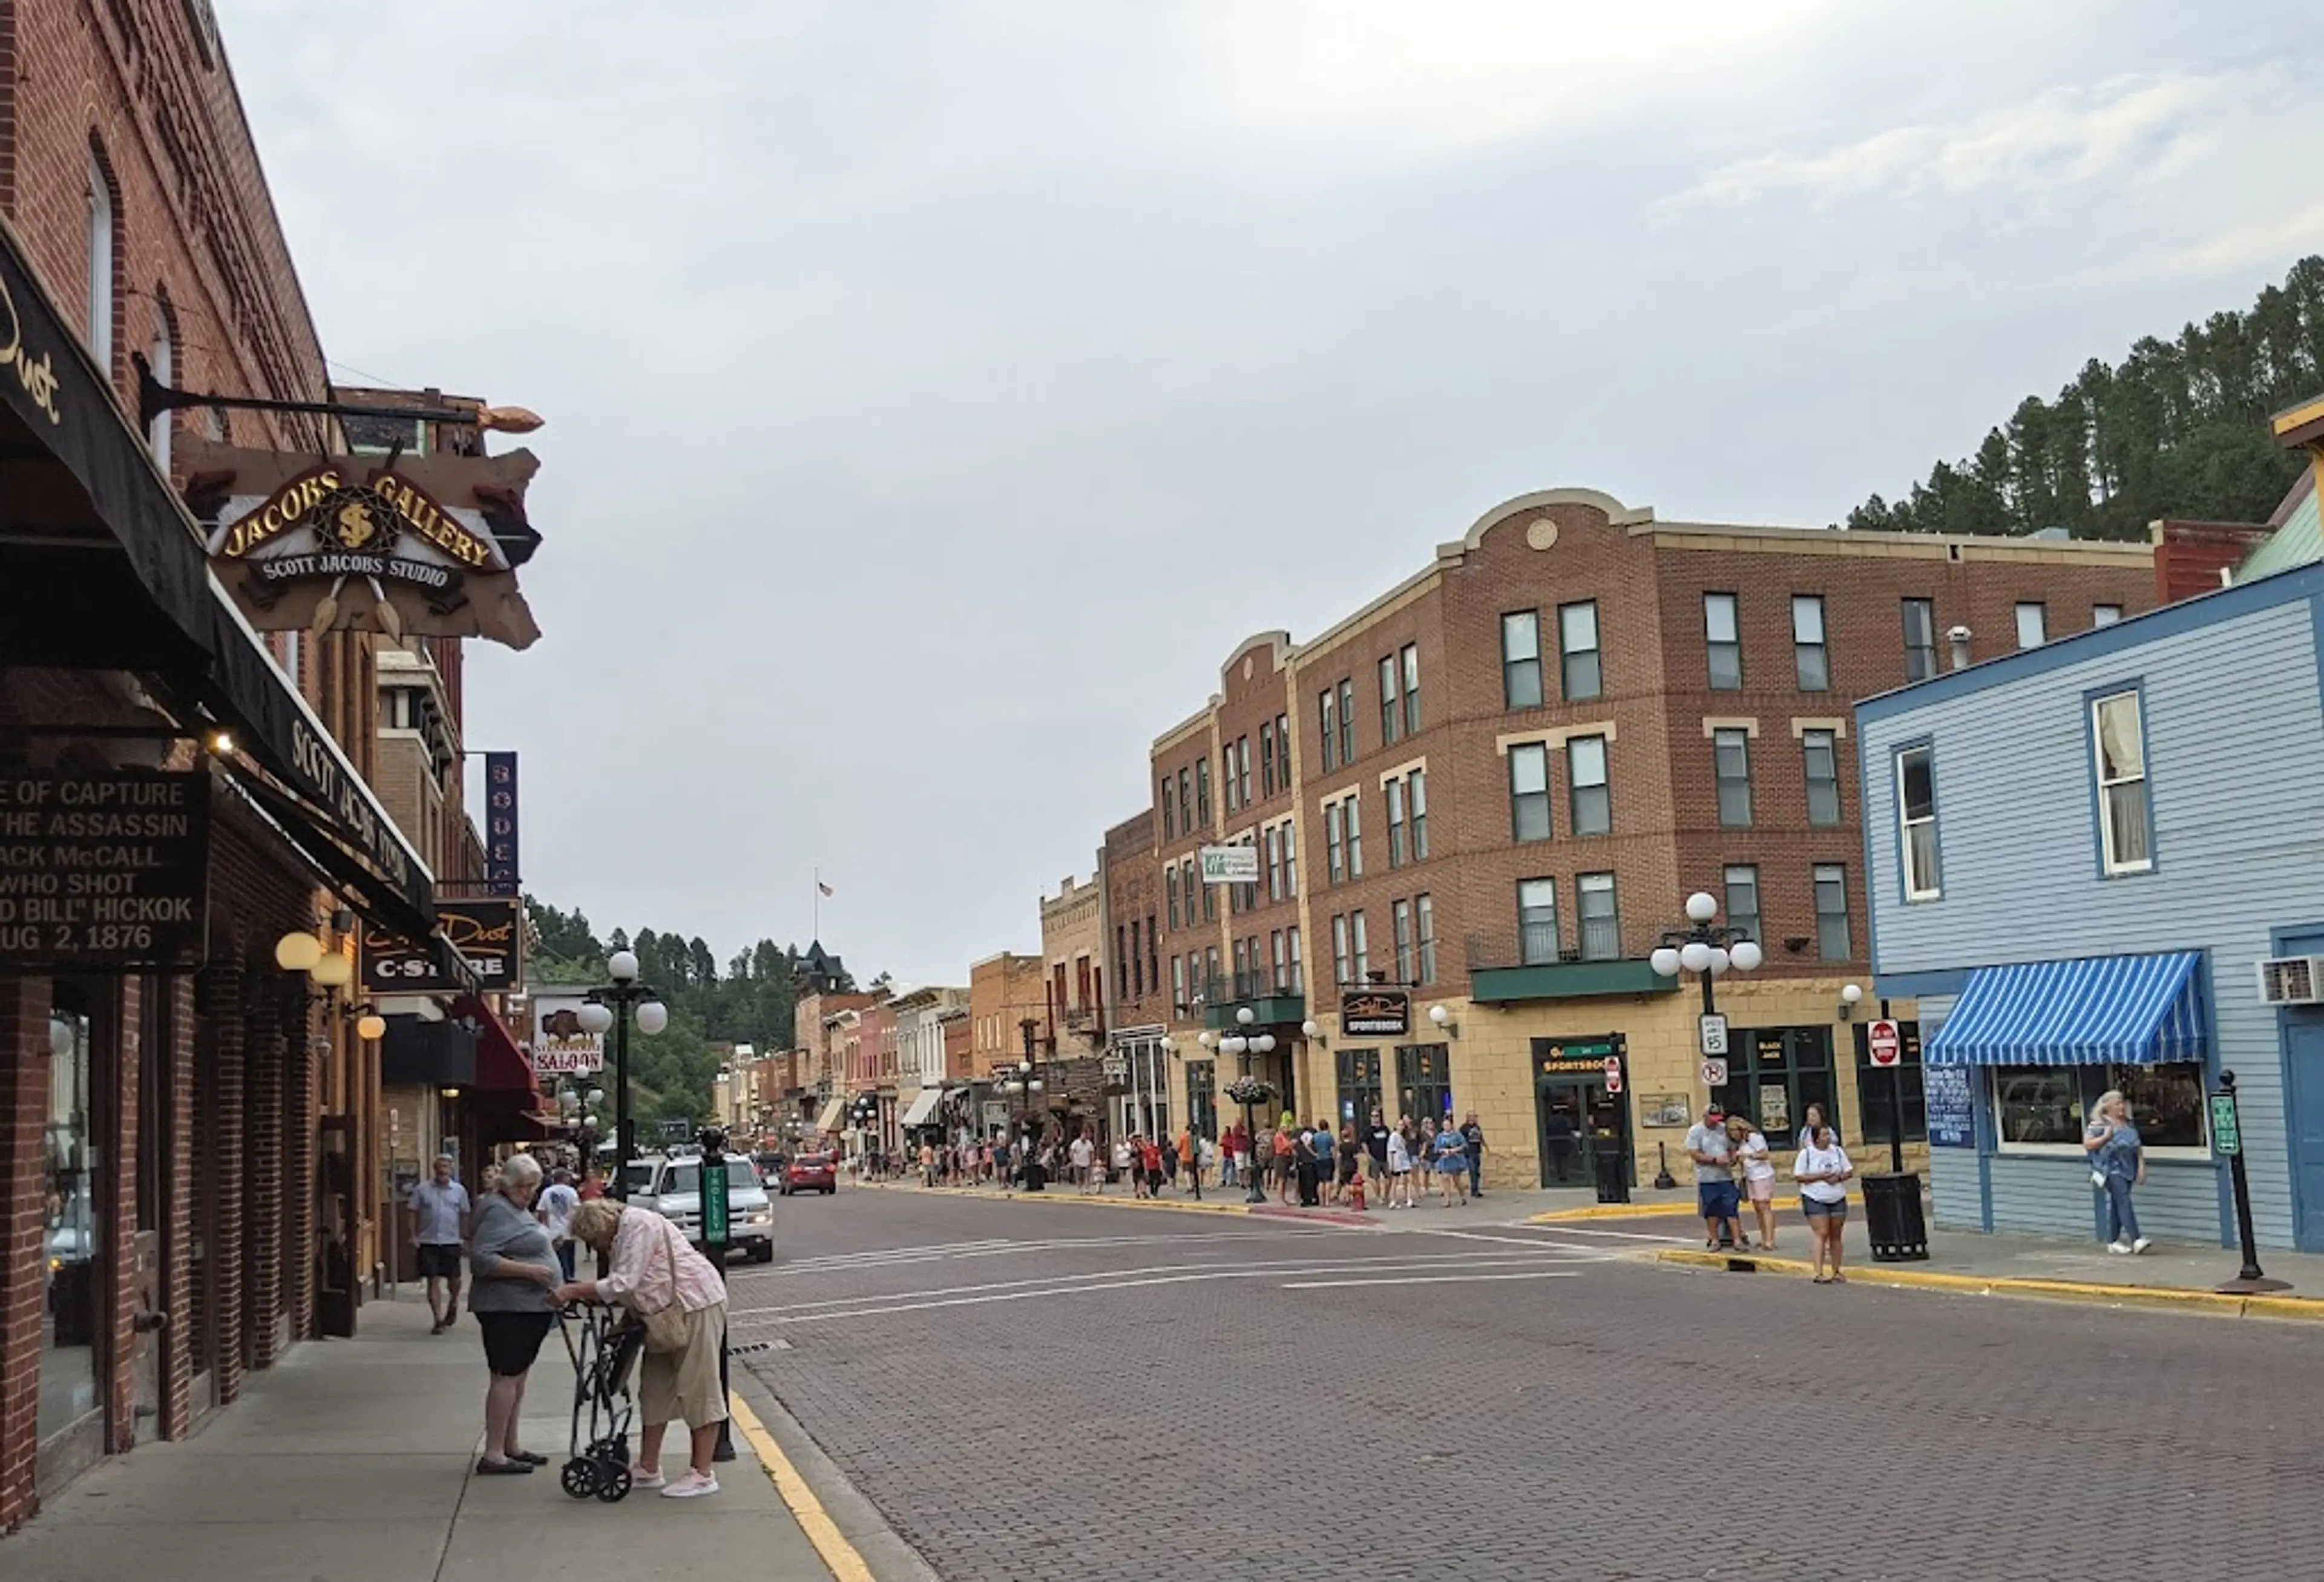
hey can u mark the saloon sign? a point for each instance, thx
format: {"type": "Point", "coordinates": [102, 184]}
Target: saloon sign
{"type": "Point", "coordinates": [393, 543]}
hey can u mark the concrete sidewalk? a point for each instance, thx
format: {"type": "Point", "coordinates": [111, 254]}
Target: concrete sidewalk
{"type": "Point", "coordinates": [354, 1462]}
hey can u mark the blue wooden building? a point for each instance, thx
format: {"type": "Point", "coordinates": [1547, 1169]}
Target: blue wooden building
{"type": "Point", "coordinates": [2081, 857]}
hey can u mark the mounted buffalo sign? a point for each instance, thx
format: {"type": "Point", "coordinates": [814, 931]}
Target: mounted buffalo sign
{"type": "Point", "coordinates": [394, 543]}
{"type": "Point", "coordinates": [1375, 1013]}
{"type": "Point", "coordinates": [484, 932]}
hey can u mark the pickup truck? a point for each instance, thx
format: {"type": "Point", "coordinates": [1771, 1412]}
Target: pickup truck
{"type": "Point", "coordinates": [672, 1188]}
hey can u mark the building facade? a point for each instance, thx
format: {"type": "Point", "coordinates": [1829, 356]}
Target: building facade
{"type": "Point", "coordinates": [1496, 785]}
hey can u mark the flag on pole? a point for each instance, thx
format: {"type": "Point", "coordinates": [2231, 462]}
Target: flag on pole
{"type": "Point", "coordinates": [823, 887]}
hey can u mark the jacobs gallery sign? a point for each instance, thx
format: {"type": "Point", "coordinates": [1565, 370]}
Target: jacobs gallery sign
{"type": "Point", "coordinates": [416, 545]}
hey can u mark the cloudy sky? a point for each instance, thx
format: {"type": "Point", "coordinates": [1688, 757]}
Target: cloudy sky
{"type": "Point", "coordinates": [938, 391]}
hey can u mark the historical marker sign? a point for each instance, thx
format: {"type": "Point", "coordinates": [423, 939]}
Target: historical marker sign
{"type": "Point", "coordinates": [103, 873]}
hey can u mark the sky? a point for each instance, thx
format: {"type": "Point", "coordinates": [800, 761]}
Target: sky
{"type": "Point", "coordinates": [939, 391]}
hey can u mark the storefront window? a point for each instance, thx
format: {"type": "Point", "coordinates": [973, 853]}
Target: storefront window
{"type": "Point", "coordinates": [1774, 1074]}
{"type": "Point", "coordinates": [1202, 1097]}
{"type": "Point", "coordinates": [70, 1233]}
{"type": "Point", "coordinates": [2037, 1107]}
{"type": "Point", "coordinates": [1423, 1081]}
{"type": "Point", "coordinates": [1875, 1084]}
{"type": "Point", "coordinates": [1360, 1084]}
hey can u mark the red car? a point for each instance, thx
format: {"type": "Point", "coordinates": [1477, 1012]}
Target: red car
{"type": "Point", "coordinates": [811, 1172]}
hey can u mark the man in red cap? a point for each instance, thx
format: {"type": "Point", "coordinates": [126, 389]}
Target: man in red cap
{"type": "Point", "coordinates": [1714, 1180]}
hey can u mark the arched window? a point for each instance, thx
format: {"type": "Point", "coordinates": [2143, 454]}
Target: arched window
{"type": "Point", "coordinates": [163, 356]}
{"type": "Point", "coordinates": [102, 220]}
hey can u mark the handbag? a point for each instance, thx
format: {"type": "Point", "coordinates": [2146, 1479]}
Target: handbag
{"type": "Point", "coordinates": [665, 1329]}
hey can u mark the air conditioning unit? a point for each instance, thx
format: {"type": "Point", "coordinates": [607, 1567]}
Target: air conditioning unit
{"type": "Point", "coordinates": [2291, 980]}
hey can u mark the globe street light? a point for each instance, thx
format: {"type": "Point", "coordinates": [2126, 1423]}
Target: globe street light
{"type": "Point", "coordinates": [611, 1008]}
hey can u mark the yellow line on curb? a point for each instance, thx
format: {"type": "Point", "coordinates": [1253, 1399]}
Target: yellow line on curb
{"type": "Point", "coordinates": [2215, 1304]}
{"type": "Point", "coordinates": [847, 1565]}
{"type": "Point", "coordinates": [1669, 1210]}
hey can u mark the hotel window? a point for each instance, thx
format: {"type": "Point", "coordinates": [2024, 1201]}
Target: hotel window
{"type": "Point", "coordinates": [1529, 792]}
{"type": "Point", "coordinates": [2105, 614]}
{"type": "Point", "coordinates": [1412, 689]}
{"type": "Point", "coordinates": [1241, 967]}
{"type": "Point", "coordinates": [1821, 748]}
{"type": "Point", "coordinates": [1916, 813]}
{"type": "Point", "coordinates": [1537, 943]}
{"type": "Point", "coordinates": [1227, 776]}
{"type": "Point", "coordinates": [1169, 813]}
{"type": "Point", "coordinates": [1416, 785]}
{"type": "Point", "coordinates": [1730, 756]}
{"type": "Point", "coordinates": [102, 236]}
{"type": "Point", "coordinates": [1347, 722]}
{"type": "Point", "coordinates": [1202, 794]}
{"type": "Point", "coordinates": [2033, 625]}
{"type": "Point", "coordinates": [1210, 895]}
{"type": "Point", "coordinates": [1355, 837]}
{"type": "Point", "coordinates": [1920, 638]}
{"type": "Point", "coordinates": [1275, 865]}
{"type": "Point", "coordinates": [1274, 946]}
{"type": "Point", "coordinates": [1602, 920]}
{"type": "Point", "coordinates": [1298, 971]}
{"type": "Point", "coordinates": [1585, 784]}
{"type": "Point", "coordinates": [1178, 985]}
{"type": "Point", "coordinates": [1390, 716]}
{"type": "Point", "coordinates": [1362, 937]}
{"type": "Point", "coordinates": [1242, 771]}
{"type": "Point", "coordinates": [1722, 637]}
{"type": "Point", "coordinates": [1283, 752]}
{"type": "Point", "coordinates": [1136, 969]}
{"type": "Point", "coordinates": [1400, 913]}
{"type": "Point", "coordinates": [1580, 676]}
{"type": "Point", "coordinates": [1809, 654]}
{"type": "Point", "coordinates": [1327, 711]}
{"type": "Point", "coordinates": [1173, 887]}
{"type": "Point", "coordinates": [1394, 789]}
{"type": "Point", "coordinates": [1335, 844]}
{"type": "Point", "coordinates": [1832, 912]}
{"type": "Point", "coordinates": [2126, 817]}
{"type": "Point", "coordinates": [1266, 758]}
{"type": "Point", "coordinates": [1340, 963]}
{"type": "Point", "coordinates": [1211, 974]}
{"type": "Point", "coordinates": [1185, 806]}
{"type": "Point", "coordinates": [1424, 913]}
{"type": "Point", "coordinates": [164, 356]}
{"type": "Point", "coordinates": [1521, 659]}
{"type": "Point", "coordinates": [1743, 899]}
{"type": "Point", "coordinates": [1290, 860]}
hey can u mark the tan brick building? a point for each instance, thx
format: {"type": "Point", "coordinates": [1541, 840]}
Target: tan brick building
{"type": "Point", "coordinates": [1506, 773]}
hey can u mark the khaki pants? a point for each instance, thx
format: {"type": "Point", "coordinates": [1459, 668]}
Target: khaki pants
{"type": "Point", "coordinates": [683, 1385]}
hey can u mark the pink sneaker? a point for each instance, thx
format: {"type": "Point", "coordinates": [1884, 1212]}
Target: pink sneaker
{"type": "Point", "coordinates": [693, 1485]}
{"type": "Point", "coordinates": [638, 1479]}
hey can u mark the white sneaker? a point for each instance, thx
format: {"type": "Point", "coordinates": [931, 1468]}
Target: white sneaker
{"type": "Point", "coordinates": [2120, 1246]}
{"type": "Point", "coordinates": [646, 1479]}
{"type": "Point", "coordinates": [693, 1485]}
{"type": "Point", "coordinates": [2141, 1245]}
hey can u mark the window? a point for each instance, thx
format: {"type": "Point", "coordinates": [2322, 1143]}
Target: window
{"type": "Point", "coordinates": [1178, 985]}
{"type": "Point", "coordinates": [1579, 673]}
{"type": "Point", "coordinates": [1136, 969]}
{"type": "Point", "coordinates": [2038, 1106]}
{"type": "Point", "coordinates": [1242, 771]}
{"type": "Point", "coordinates": [1391, 717]}
{"type": "Point", "coordinates": [1743, 899]}
{"type": "Point", "coordinates": [1537, 922]}
{"type": "Point", "coordinates": [1585, 783]}
{"type": "Point", "coordinates": [1730, 756]}
{"type": "Point", "coordinates": [2124, 815]}
{"type": "Point", "coordinates": [1412, 689]}
{"type": "Point", "coordinates": [164, 361]}
{"type": "Point", "coordinates": [1521, 659]}
{"type": "Point", "coordinates": [1400, 913]}
{"type": "Point", "coordinates": [1290, 861]}
{"type": "Point", "coordinates": [101, 238]}
{"type": "Point", "coordinates": [1355, 838]}
{"type": "Point", "coordinates": [1875, 1085]}
{"type": "Point", "coordinates": [1298, 971]}
{"type": "Point", "coordinates": [1340, 963]}
{"type": "Point", "coordinates": [1211, 973]}
{"type": "Point", "coordinates": [1394, 789]}
{"type": "Point", "coordinates": [1241, 966]}
{"type": "Point", "coordinates": [78, 1232]}
{"type": "Point", "coordinates": [1275, 864]}
{"type": "Point", "coordinates": [1722, 636]}
{"type": "Point", "coordinates": [1202, 793]}
{"type": "Point", "coordinates": [1360, 1085]}
{"type": "Point", "coordinates": [1173, 887]}
{"type": "Point", "coordinates": [1920, 638]}
{"type": "Point", "coordinates": [1601, 921]}
{"type": "Point", "coordinates": [1266, 758]}
{"type": "Point", "coordinates": [1416, 786]}
{"type": "Point", "coordinates": [1169, 813]}
{"type": "Point", "coordinates": [2033, 625]}
{"type": "Point", "coordinates": [1327, 711]}
{"type": "Point", "coordinates": [1529, 791]}
{"type": "Point", "coordinates": [1347, 722]}
{"type": "Point", "coordinates": [1210, 895]}
{"type": "Point", "coordinates": [1423, 1081]}
{"type": "Point", "coordinates": [1916, 813]}
{"type": "Point", "coordinates": [1809, 655]}
{"type": "Point", "coordinates": [1774, 1074]}
{"type": "Point", "coordinates": [1227, 777]}
{"type": "Point", "coordinates": [2105, 614]}
{"type": "Point", "coordinates": [1832, 912]}
{"type": "Point", "coordinates": [1335, 844]}
{"type": "Point", "coordinates": [1364, 946]}
{"type": "Point", "coordinates": [1186, 807]}
{"type": "Point", "coordinates": [1283, 752]}
{"type": "Point", "coordinates": [1423, 909]}
{"type": "Point", "coordinates": [1821, 750]}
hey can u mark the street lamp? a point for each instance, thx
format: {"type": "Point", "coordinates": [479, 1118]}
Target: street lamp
{"type": "Point", "coordinates": [1707, 950]}
{"type": "Point", "coordinates": [612, 1008]}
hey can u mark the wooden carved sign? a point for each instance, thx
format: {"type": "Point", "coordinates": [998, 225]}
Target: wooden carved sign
{"type": "Point", "coordinates": [349, 543]}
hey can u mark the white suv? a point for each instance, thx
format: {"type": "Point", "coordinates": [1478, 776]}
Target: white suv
{"type": "Point", "coordinates": [672, 1188]}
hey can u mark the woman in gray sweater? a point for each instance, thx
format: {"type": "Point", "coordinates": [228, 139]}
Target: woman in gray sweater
{"type": "Point", "coordinates": [514, 1268]}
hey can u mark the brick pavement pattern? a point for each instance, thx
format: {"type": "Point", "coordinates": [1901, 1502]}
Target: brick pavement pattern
{"type": "Point", "coordinates": [1631, 1421]}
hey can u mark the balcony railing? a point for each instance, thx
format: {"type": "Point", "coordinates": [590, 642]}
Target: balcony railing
{"type": "Point", "coordinates": [1528, 961]}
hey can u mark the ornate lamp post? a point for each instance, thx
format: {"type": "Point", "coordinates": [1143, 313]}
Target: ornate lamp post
{"type": "Point", "coordinates": [614, 1007]}
{"type": "Point", "coordinates": [1025, 1084]}
{"type": "Point", "coordinates": [1246, 1090]}
{"type": "Point", "coordinates": [1706, 949]}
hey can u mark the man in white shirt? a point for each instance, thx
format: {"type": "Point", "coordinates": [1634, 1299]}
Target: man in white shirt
{"type": "Point", "coordinates": [1080, 1152]}
{"type": "Point", "coordinates": [441, 1206]}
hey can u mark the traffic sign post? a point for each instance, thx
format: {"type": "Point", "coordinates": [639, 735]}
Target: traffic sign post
{"type": "Point", "coordinates": [1713, 1029]}
{"type": "Point", "coordinates": [717, 1223]}
{"type": "Point", "coordinates": [1613, 1073]}
{"type": "Point", "coordinates": [2227, 1138]}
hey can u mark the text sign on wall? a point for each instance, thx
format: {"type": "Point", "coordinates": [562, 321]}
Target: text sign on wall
{"type": "Point", "coordinates": [1375, 1013]}
{"type": "Point", "coordinates": [501, 870]}
{"type": "Point", "coordinates": [1229, 865]}
{"type": "Point", "coordinates": [485, 932]}
{"type": "Point", "coordinates": [103, 873]}
{"type": "Point", "coordinates": [1952, 1117]}
{"type": "Point", "coordinates": [554, 1039]}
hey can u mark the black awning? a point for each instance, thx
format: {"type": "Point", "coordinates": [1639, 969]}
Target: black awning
{"type": "Point", "coordinates": [101, 566]}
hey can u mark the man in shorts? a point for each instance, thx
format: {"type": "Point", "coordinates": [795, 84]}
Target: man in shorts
{"type": "Point", "coordinates": [1715, 1197]}
{"type": "Point", "coordinates": [1376, 1151]}
{"type": "Point", "coordinates": [441, 1206]}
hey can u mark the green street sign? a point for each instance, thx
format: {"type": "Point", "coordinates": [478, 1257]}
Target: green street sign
{"type": "Point", "coordinates": [2227, 1130]}
{"type": "Point", "coordinates": [713, 1201]}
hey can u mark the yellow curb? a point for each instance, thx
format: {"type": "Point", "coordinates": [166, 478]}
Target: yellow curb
{"type": "Point", "coordinates": [2217, 1303]}
{"type": "Point", "coordinates": [1670, 1210]}
{"type": "Point", "coordinates": [1093, 1202]}
{"type": "Point", "coordinates": [846, 1563]}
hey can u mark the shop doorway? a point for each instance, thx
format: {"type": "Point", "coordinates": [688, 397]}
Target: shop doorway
{"type": "Point", "coordinates": [1580, 1121]}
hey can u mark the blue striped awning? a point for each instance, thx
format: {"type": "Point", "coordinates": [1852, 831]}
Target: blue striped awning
{"type": "Point", "coordinates": [2129, 1008]}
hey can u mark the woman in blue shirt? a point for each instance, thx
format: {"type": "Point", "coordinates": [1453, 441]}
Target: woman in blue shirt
{"type": "Point", "coordinates": [1452, 1165]}
{"type": "Point", "coordinates": [2117, 1163]}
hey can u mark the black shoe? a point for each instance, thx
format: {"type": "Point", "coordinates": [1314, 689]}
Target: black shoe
{"type": "Point", "coordinates": [528, 1458]}
{"type": "Point", "coordinates": [502, 1468]}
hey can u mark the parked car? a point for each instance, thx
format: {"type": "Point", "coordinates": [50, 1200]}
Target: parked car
{"type": "Point", "coordinates": [672, 1188]}
{"type": "Point", "coordinates": [811, 1172]}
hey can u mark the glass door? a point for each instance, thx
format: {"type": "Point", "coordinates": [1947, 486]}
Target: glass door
{"type": "Point", "coordinates": [1582, 1123]}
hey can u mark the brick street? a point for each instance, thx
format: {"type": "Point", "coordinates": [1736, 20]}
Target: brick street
{"type": "Point", "coordinates": [1033, 1391]}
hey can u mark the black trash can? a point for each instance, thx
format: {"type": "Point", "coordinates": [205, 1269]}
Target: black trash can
{"type": "Point", "coordinates": [1037, 1175]}
{"type": "Point", "coordinates": [1893, 1220]}
{"type": "Point", "coordinates": [1613, 1175]}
